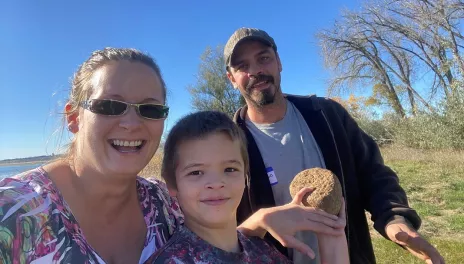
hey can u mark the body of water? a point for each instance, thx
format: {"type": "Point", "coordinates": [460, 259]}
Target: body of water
{"type": "Point", "coordinates": [8, 171]}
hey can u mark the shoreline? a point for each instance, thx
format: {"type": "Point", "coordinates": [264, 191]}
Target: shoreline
{"type": "Point", "coordinates": [19, 163]}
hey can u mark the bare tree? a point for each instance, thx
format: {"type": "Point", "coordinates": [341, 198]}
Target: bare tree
{"type": "Point", "coordinates": [394, 44]}
{"type": "Point", "coordinates": [399, 63]}
{"type": "Point", "coordinates": [213, 90]}
{"type": "Point", "coordinates": [431, 32]}
{"type": "Point", "coordinates": [355, 57]}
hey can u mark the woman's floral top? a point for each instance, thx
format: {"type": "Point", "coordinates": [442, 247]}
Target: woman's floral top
{"type": "Point", "coordinates": [37, 225]}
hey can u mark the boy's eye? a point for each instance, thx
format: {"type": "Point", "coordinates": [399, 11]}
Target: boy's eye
{"type": "Point", "coordinates": [231, 170]}
{"type": "Point", "coordinates": [196, 173]}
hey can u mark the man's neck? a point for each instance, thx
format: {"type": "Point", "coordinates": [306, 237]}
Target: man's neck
{"type": "Point", "coordinates": [268, 114]}
{"type": "Point", "coordinates": [224, 237]}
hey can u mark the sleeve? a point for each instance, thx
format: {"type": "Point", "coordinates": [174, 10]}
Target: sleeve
{"type": "Point", "coordinates": [15, 200]}
{"type": "Point", "coordinates": [384, 198]}
{"type": "Point", "coordinates": [6, 242]}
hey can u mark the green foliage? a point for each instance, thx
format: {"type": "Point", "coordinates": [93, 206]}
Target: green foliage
{"type": "Point", "coordinates": [213, 90]}
{"type": "Point", "coordinates": [441, 130]}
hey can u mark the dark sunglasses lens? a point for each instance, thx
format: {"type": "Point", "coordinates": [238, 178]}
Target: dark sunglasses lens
{"type": "Point", "coordinates": [153, 111]}
{"type": "Point", "coordinates": [107, 107]}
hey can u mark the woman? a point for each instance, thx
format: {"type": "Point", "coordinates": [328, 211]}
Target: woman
{"type": "Point", "coordinates": [91, 207]}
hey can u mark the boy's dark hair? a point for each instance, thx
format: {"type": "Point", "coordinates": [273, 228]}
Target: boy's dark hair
{"type": "Point", "coordinates": [194, 126]}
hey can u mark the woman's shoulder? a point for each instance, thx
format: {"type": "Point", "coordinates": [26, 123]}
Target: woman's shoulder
{"type": "Point", "coordinates": [154, 187]}
{"type": "Point", "coordinates": [24, 187]}
{"type": "Point", "coordinates": [158, 188]}
{"type": "Point", "coordinates": [151, 182]}
{"type": "Point", "coordinates": [27, 197]}
{"type": "Point", "coordinates": [155, 197]}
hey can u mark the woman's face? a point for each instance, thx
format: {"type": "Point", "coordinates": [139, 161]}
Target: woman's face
{"type": "Point", "coordinates": [120, 144]}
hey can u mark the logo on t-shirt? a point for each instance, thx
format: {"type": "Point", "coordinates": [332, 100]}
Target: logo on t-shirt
{"type": "Point", "coordinates": [271, 175]}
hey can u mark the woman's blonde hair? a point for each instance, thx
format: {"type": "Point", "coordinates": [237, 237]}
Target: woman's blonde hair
{"type": "Point", "coordinates": [81, 88]}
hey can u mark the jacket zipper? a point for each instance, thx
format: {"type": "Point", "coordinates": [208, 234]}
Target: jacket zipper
{"type": "Point", "coordinates": [252, 209]}
{"type": "Point", "coordinates": [343, 177]}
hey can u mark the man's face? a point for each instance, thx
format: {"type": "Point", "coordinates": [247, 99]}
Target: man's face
{"type": "Point", "coordinates": [255, 71]}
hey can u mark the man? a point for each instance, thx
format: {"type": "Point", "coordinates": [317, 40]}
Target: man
{"type": "Point", "coordinates": [287, 134]}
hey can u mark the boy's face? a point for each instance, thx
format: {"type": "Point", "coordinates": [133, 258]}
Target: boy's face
{"type": "Point", "coordinates": [210, 180]}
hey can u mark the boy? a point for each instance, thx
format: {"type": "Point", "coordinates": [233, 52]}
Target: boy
{"type": "Point", "coordinates": [204, 166]}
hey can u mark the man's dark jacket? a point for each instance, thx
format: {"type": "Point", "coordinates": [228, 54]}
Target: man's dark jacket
{"type": "Point", "coordinates": [354, 157]}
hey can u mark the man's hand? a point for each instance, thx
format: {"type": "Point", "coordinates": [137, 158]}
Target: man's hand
{"type": "Point", "coordinates": [402, 234]}
{"type": "Point", "coordinates": [282, 222]}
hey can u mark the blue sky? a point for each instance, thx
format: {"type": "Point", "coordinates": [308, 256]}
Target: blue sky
{"type": "Point", "coordinates": [43, 42]}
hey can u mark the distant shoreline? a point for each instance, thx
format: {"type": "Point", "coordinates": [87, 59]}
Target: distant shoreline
{"type": "Point", "coordinates": [27, 161]}
{"type": "Point", "coordinates": [17, 163]}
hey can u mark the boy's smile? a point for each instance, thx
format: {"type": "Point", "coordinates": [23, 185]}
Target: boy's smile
{"type": "Point", "coordinates": [215, 201]}
{"type": "Point", "coordinates": [210, 180]}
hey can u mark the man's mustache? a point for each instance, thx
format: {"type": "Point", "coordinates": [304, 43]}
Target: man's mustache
{"type": "Point", "coordinates": [259, 78]}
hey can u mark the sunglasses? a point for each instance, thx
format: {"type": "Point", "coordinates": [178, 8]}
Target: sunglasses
{"type": "Point", "coordinates": [117, 108]}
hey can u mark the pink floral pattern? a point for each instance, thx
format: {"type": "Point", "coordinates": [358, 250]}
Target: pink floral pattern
{"type": "Point", "coordinates": [36, 223]}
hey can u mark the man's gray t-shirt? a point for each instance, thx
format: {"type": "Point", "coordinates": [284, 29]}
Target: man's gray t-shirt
{"type": "Point", "coordinates": [288, 147]}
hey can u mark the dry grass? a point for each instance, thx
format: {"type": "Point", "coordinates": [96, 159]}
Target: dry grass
{"type": "Point", "coordinates": [153, 169]}
{"type": "Point", "coordinates": [395, 153]}
{"type": "Point", "coordinates": [434, 183]}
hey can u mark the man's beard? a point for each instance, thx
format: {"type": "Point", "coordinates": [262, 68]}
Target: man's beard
{"type": "Point", "coordinates": [263, 97]}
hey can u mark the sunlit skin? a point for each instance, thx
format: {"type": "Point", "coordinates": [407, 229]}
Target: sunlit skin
{"type": "Point", "coordinates": [210, 180]}
{"type": "Point", "coordinates": [98, 183]}
{"type": "Point", "coordinates": [255, 71]}
{"type": "Point", "coordinates": [118, 81]}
